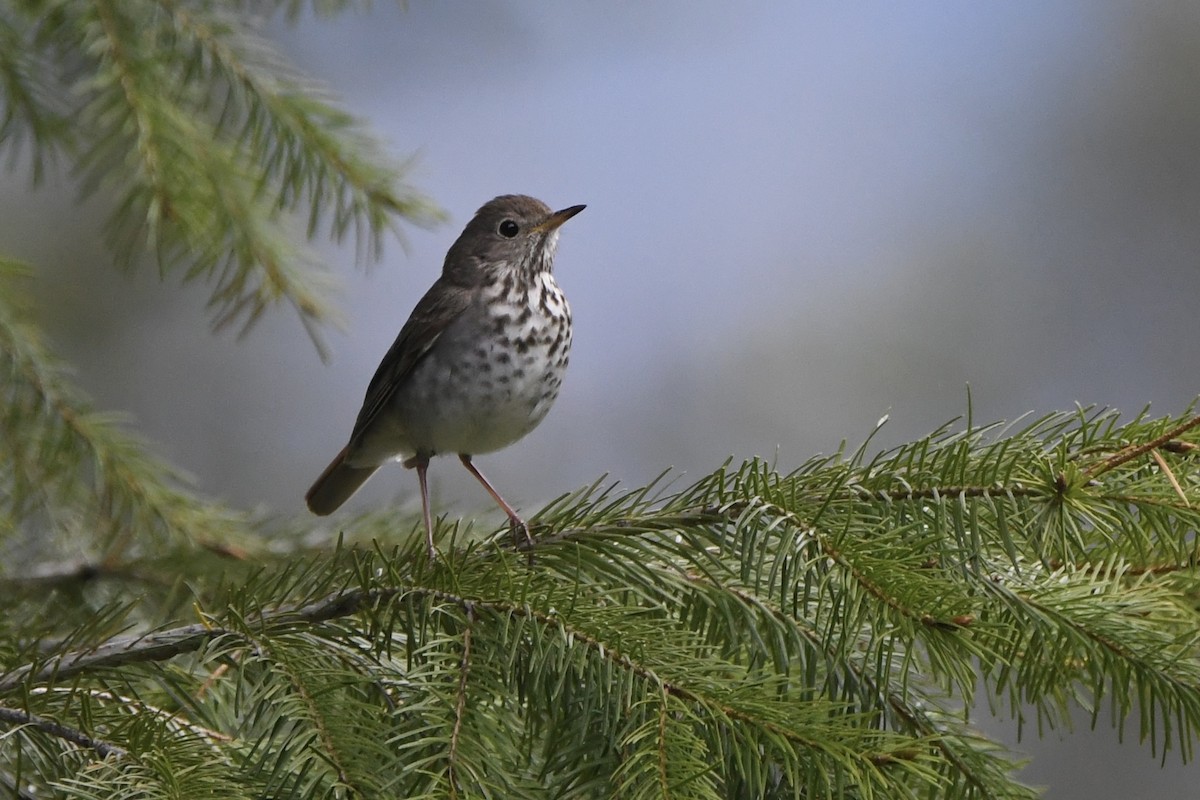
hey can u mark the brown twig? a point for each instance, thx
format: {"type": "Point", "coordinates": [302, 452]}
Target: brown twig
{"type": "Point", "coordinates": [15, 716]}
{"type": "Point", "coordinates": [162, 645]}
{"type": "Point", "coordinates": [460, 706]}
{"type": "Point", "coordinates": [1166, 469]}
{"type": "Point", "coordinates": [1126, 454]}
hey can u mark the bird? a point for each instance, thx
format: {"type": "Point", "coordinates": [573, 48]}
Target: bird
{"type": "Point", "coordinates": [475, 368]}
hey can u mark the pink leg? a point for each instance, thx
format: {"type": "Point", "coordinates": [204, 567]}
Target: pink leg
{"type": "Point", "coordinates": [518, 524]}
{"type": "Point", "coordinates": [422, 465]}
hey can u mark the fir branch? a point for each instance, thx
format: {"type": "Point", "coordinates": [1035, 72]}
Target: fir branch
{"type": "Point", "coordinates": [9, 783]}
{"type": "Point", "coordinates": [57, 446]}
{"type": "Point", "coordinates": [876, 691]}
{"type": "Point", "coordinates": [748, 635]}
{"type": "Point", "coordinates": [171, 643]}
{"type": "Point", "coordinates": [116, 652]}
{"type": "Point", "coordinates": [112, 42]}
{"type": "Point", "coordinates": [460, 703]}
{"type": "Point", "coordinates": [47, 577]}
{"type": "Point", "coordinates": [1142, 643]}
{"type": "Point", "coordinates": [326, 721]}
{"type": "Point", "coordinates": [206, 189]}
{"type": "Point", "coordinates": [32, 109]}
{"type": "Point", "coordinates": [13, 716]}
{"type": "Point", "coordinates": [313, 148]}
{"type": "Point", "coordinates": [166, 644]}
{"type": "Point", "coordinates": [1133, 451]}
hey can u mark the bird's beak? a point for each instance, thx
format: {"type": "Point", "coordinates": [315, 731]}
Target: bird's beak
{"type": "Point", "coordinates": [557, 218]}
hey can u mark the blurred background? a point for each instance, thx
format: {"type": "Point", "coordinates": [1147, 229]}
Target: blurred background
{"type": "Point", "coordinates": [800, 219]}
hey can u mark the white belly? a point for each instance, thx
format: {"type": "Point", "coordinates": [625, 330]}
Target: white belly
{"type": "Point", "coordinates": [479, 388]}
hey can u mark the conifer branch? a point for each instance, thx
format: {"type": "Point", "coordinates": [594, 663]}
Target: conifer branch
{"type": "Point", "coordinates": [13, 716]}
{"type": "Point", "coordinates": [460, 702]}
{"type": "Point", "coordinates": [31, 111]}
{"type": "Point", "coordinates": [911, 718]}
{"type": "Point", "coordinates": [147, 136]}
{"type": "Point", "coordinates": [166, 644]}
{"type": "Point", "coordinates": [129, 490]}
{"type": "Point", "coordinates": [65, 575]}
{"type": "Point", "coordinates": [814, 574]}
{"type": "Point", "coordinates": [1133, 451]}
{"type": "Point", "coordinates": [297, 679]}
{"type": "Point", "coordinates": [209, 190]}
{"type": "Point", "coordinates": [663, 783]}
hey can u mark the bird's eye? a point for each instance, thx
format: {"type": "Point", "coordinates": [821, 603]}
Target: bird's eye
{"type": "Point", "coordinates": [508, 229]}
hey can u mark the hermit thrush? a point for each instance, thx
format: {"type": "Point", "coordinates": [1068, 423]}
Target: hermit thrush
{"type": "Point", "coordinates": [477, 365]}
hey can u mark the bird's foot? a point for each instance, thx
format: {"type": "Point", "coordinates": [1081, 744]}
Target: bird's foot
{"type": "Point", "coordinates": [520, 531]}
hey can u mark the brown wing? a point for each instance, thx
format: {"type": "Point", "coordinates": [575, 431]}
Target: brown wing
{"type": "Point", "coordinates": [440, 306]}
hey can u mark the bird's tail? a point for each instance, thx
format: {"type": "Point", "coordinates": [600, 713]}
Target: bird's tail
{"type": "Point", "coordinates": [336, 485]}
